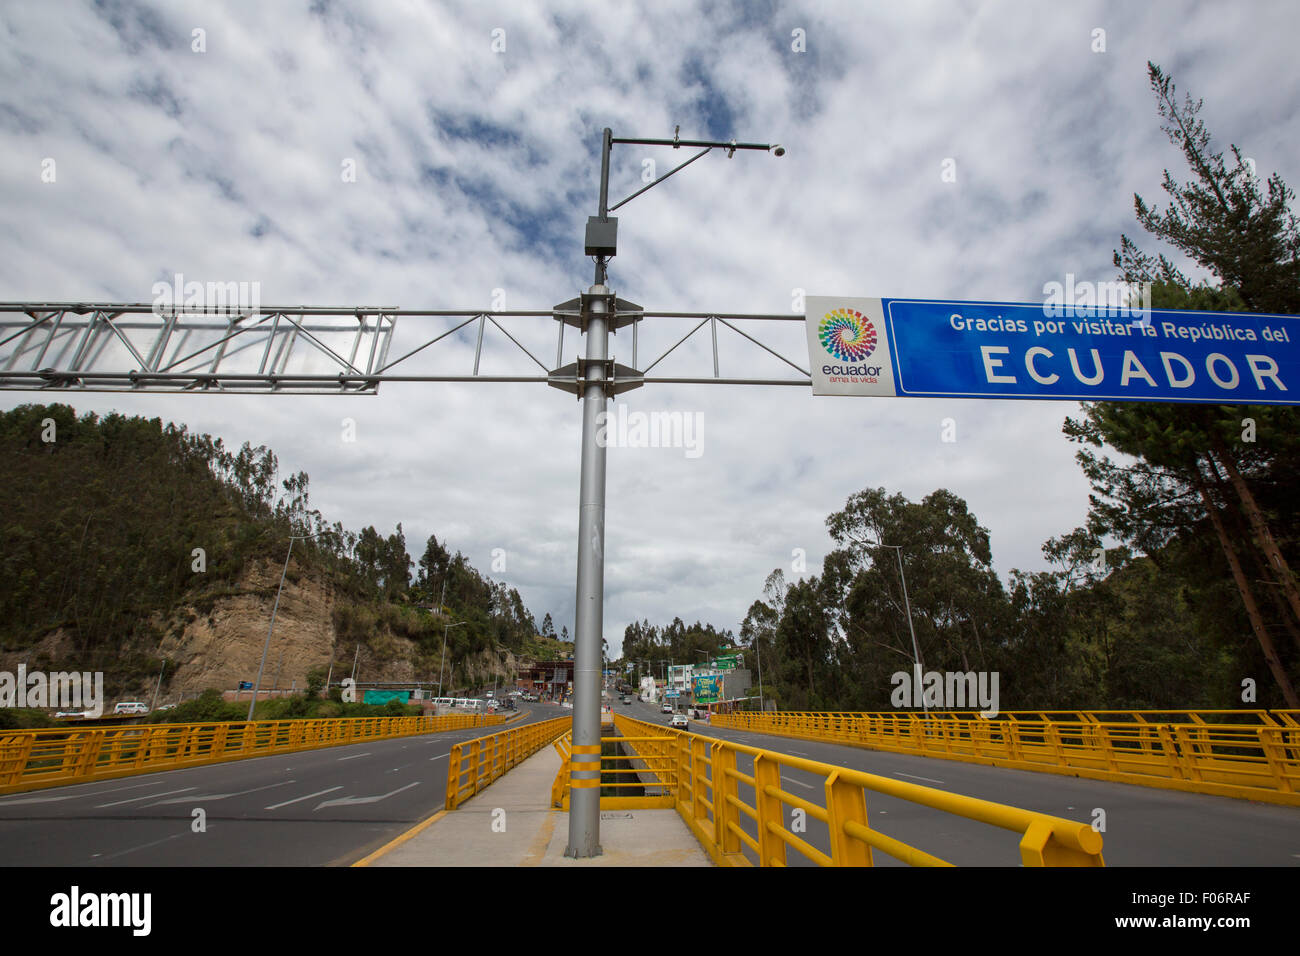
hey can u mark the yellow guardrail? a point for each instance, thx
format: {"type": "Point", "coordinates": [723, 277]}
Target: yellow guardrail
{"type": "Point", "coordinates": [33, 759]}
{"type": "Point", "coordinates": [622, 772]}
{"type": "Point", "coordinates": [1252, 754]}
{"type": "Point", "coordinates": [742, 819]}
{"type": "Point", "coordinates": [474, 764]}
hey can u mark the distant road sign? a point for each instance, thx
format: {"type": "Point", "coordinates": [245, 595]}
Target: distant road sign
{"type": "Point", "coordinates": [953, 349]}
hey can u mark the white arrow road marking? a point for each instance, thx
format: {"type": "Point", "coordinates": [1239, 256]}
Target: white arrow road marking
{"type": "Point", "coordinates": [914, 777]}
{"type": "Point", "coordinates": [318, 793]}
{"type": "Point", "coordinates": [149, 796]}
{"type": "Point", "coordinates": [355, 756]}
{"type": "Point", "coordinates": [219, 796]}
{"type": "Point", "coordinates": [353, 801]}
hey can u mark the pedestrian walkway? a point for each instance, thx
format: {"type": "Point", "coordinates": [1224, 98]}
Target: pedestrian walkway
{"type": "Point", "coordinates": [511, 823]}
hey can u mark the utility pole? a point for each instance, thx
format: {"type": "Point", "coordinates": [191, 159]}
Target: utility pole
{"type": "Point", "coordinates": [154, 705]}
{"type": "Point", "coordinates": [267, 646]}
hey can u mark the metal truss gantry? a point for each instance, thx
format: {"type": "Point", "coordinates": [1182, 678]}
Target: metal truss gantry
{"type": "Point", "coordinates": [324, 350]}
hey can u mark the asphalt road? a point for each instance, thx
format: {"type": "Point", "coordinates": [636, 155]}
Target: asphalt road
{"type": "Point", "coordinates": [1144, 826]}
{"type": "Point", "coordinates": [312, 808]}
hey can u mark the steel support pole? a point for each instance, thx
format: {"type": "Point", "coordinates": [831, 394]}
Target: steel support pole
{"type": "Point", "coordinates": [584, 802]}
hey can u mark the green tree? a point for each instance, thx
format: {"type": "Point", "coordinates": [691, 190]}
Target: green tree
{"type": "Point", "coordinates": [1195, 472]}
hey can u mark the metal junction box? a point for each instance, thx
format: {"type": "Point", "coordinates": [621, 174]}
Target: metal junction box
{"type": "Point", "coordinates": [602, 236]}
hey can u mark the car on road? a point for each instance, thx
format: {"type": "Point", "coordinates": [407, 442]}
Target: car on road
{"type": "Point", "coordinates": [666, 709]}
{"type": "Point", "coordinates": [627, 700]}
{"type": "Point", "coordinates": [131, 707]}
{"type": "Point", "coordinates": [679, 720]}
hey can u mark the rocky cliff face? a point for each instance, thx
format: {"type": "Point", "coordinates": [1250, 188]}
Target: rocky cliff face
{"type": "Point", "coordinates": [224, 646]}
{"type": "Point", "coordinates": [220, 644]}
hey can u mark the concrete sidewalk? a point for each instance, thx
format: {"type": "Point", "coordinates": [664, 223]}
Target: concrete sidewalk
{"type": "Point", "coordinates": [534, 834]}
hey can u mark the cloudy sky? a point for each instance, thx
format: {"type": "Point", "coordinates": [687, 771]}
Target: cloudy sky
{"type": "Point", "coordinates": [474, 132]}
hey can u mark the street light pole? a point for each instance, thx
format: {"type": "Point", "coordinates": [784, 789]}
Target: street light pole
{"type": "Point", "coordinates": [267, 647]}
{"type": "Point", "coordinates": [916, 651]}
{"type": "Point", "coordinates": [442, 660]}
{"type": "Point", "coordinates": [158, 688]}
{"type": "Point", "coordinates": [599, 316]}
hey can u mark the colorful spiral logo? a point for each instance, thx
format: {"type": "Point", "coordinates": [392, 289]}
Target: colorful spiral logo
{"type": "Point", "coordinates": [847, 334]}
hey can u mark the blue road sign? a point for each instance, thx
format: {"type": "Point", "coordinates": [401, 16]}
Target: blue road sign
{"type": "Point", "coordinates": [952, 349]}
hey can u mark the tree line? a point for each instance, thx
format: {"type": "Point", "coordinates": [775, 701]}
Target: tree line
{"type": "Point", "coordinates": [113, 524]}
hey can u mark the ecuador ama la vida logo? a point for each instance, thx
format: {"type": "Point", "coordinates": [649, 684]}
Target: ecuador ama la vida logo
{"type": "Point", "coordinates": [850, 337]}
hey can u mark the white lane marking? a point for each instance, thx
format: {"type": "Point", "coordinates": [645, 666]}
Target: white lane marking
{"type": "Point", "coordinates": [149, 796]}
{"type": "Point", "coordinates": [73, 796]}
{"type": "Point", "coordinates": [355, 756]}
{"type": "Point", "coordinates": [353, 801]}
{"type": "Point", "coordinates": [15, 803]}
{"type": "Point", "coordinates": [914, 777]}
{"type": "Point", "coordinates": [219, 796]}
{"type": "Point", "coordinates": [440, 756]}
{"type": "Point", "coordinates": [318, 793]}
{"type": "Point", "coordinates": [142, 846]}
{"type": "Point", "coordinates": [807, 786]}
{"type": "Point", "coordinates": [799, 752]}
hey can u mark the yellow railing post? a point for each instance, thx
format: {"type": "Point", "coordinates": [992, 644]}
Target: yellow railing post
{"type": "Point", "coordinates": [846, 802]}
{"type": "Point", "coordinates": [725, 789]}
{"type": "Point", "coordinates": [475, 765]}
{"type": "Point", "coordinates": [1040, 847]}
{"type": "Point", "coordinates": [90, 753]}
{"type": "Point", "coordinates": [453, 777]}
{"type": "Point", "coordinates": [1271, 741]}
{"type": "Point", "coordinates": [1191, 762]}
{"type": "Point", "coordinates": [769, 811]}
{"type": "Point", "coordinates": [699, 809]}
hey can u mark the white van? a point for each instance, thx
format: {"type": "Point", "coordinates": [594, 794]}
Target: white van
{"type": "Point", "coordinates": [131, 707]}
